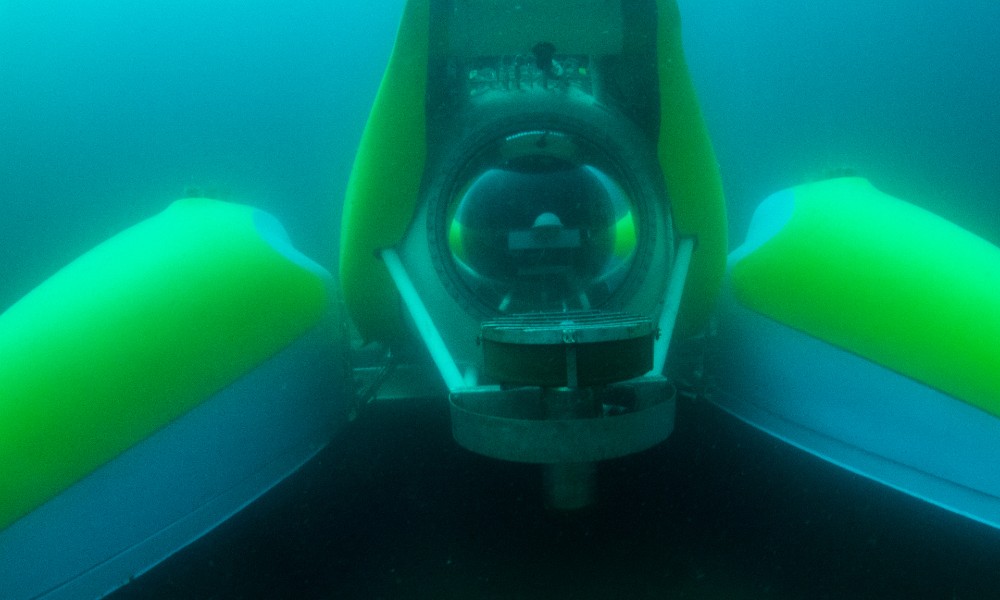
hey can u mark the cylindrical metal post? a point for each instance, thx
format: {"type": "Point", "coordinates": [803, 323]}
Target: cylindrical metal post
{"type": "Point", "coordinates": [570, 486]}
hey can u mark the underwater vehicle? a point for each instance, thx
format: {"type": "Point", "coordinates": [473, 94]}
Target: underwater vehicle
{"type": "Point", "coordinates": [549, 256]}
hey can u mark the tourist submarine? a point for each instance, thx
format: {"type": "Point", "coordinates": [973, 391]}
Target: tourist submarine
{"type": "Point", "coordinates": [534, 231]}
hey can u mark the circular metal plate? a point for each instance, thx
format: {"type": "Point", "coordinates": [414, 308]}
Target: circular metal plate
{"type": "Point", "coordinates": [574, 349]}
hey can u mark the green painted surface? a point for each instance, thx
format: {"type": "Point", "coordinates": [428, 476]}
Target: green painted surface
{"type": "Point", "coordinates": [133, 334]}
{"type": "Point", "coordinates": [886, 280]}
{"type": "Point", "coordinates": [691, 173]}
{"type": "Point", "coordinates": [382, 191]}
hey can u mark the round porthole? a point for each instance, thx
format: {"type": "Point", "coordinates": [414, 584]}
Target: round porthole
{"type": "Point", "coordinates": [546, 214]}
